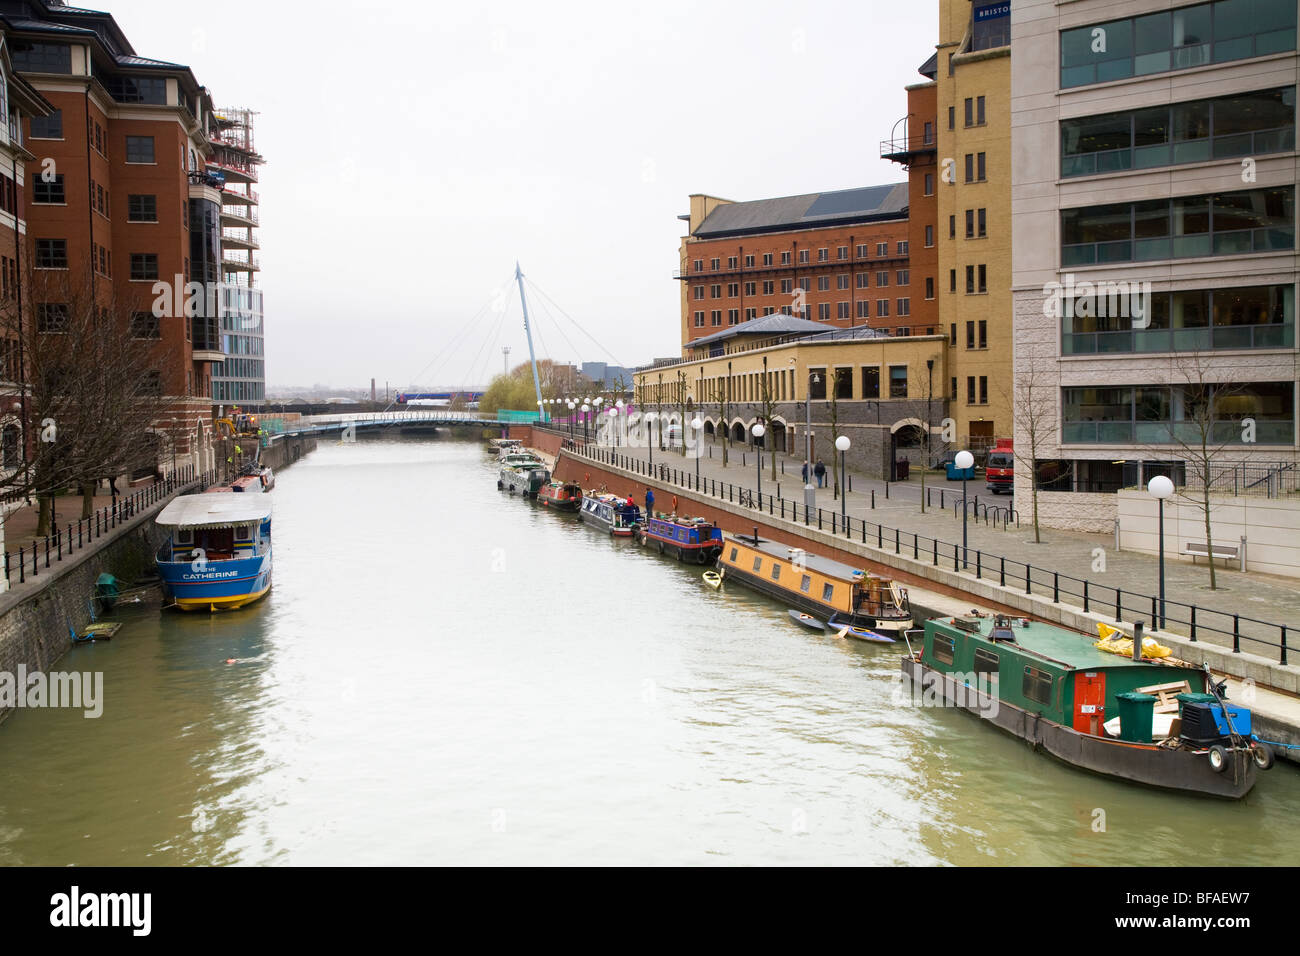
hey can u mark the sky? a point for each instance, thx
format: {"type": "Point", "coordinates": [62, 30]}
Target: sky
{"type": "Point", "coordinates": [415, 152]}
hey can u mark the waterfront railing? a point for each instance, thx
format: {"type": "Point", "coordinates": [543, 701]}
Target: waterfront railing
{"type": "Point", "coordinates": [1111, 601]}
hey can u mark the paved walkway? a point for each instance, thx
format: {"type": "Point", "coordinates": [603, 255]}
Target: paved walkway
{"type": "Point", "coordinates": [1090, 557]}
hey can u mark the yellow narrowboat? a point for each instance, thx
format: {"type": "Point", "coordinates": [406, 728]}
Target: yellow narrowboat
{"type": "Point", "coordinates": [832, 591]}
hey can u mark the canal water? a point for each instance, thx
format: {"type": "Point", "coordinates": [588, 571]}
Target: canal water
{"type": "Point", "coordinates": [444, 674]}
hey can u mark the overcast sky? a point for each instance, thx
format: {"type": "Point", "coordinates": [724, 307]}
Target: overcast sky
{"type": "Point", "coordinates": [415, 151]}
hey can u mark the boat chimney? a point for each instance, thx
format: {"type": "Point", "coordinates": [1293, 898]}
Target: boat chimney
{"type": "Point", "coordinates": [755, 534]}
{"type": "Point", "coordinates": [1137, 640]}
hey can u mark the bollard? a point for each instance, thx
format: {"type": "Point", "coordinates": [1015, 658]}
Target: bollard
{"type": "Point", "coordinates": [886, 491]}
{"type": "Point", "coordinates": [834, 523]}
{"type": "Point", "coordinates": [873, 499]}
{"type": "Point", "coordinates": [1002, 572]}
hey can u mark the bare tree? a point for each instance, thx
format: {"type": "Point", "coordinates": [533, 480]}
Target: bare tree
{"type": "Point", "coordinates": [724, 401]}
{"type": "Point", "coordinates": [1033, 409]}
{"type": "Point", "coordinates": [769, 405]}
{"type": "Point", "coordinates": [833, 414]}
{"type": "Point", "coordinates": [1200, 434]}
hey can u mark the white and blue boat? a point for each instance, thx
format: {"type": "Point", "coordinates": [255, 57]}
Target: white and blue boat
{"type": "Point", "coordinates": [217, 556]}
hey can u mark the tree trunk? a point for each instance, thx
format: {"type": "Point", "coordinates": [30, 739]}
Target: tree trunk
{"type": "Point", "coordinates": [1209, 541]}
{"type": "Point", "coordinates": [43, 516]}
{"type": "Point", "coordinates": [87, 499]}
{"type": "Point", "coordinates": [1034, 486]}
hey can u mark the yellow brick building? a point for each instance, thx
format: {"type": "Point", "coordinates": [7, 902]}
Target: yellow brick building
{"type": "Point", "coordinates": [973, 75]}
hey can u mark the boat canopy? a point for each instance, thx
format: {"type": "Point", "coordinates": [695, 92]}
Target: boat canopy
{"type": "Point", "coordinates": [215, 511]}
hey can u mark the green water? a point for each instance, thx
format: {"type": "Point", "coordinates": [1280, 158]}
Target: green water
{"type": "Point", "coordinates": [442, 674]}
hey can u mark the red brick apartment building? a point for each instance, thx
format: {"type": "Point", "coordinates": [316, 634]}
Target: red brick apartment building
{"type": "Point", "coordinates": [123, 186]}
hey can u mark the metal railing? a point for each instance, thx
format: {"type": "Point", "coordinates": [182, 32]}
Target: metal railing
{"type": "Point", "coordinates": [76, 536]}
{"type": "Point", "coordinates": [1195, 621]}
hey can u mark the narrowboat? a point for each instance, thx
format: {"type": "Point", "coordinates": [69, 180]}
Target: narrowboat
{"type": "Point", "coordinates": [1054, 689]}
{"type": "Point", "coordinates": [561, 495]}
{"type": "Point", "coordinates": [687, 539]}
{"type": "Point", "coordinates": [617, 515]}
{"type": "Point", "coordinates": [503, 446]}
{"type": "Point", "coordinates": [218, 551]}
{"type": "Point", "coordinates": [522, 472]}
{"type": "Point", "coordinates": [829, 590]}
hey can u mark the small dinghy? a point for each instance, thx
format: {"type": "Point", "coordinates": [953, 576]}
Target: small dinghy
{"type": "Point", "coordinates": [807, 620]}
{"type": "Point", "coordinates": [840, 629]}
{"type": "Point", "coordinates": [713, 579]}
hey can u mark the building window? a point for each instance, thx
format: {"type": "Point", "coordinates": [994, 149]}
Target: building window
{"type": "Point", "coordinates": [714, 264]}
{"type": "Point", "coordinates": [952, 227]}
{"type": "Point", "coordinates": [882, 249]}
{"type": "Point", "coordinates": [983, 274]}
{"type": "Point", "coordinates": [751, 288]}
{"type": "Point", "coordinates": [823, 255]}
{"type": "Point", "coordinates": [145, 325]}
{"type": "Point", "coordinates": [767, 258]}
{"type": "Point", "coordinates": [904, 307]}
{"type": "Point", "coordinates": [751, 314]}
{"type": "Point", "coordinates": [31, 57]}
{"type": "Point", "coordinates": [698, 265]}
{"type": "Point", "coordinates": [979, 111]}
{"type": "Point", "coordinates": [970, 334]}
{"type": "Point", "coordinates": [981, 225]}
{"type": "Point", "coordinates": [970, 280]}
{"type": "Point", "coordinates": [47, 127]}
{"type": "Point", "coordinates": [983, 327]}
{"type": "Point", "coordinates": [731, 262]}
{"type": "Point", "coordinates": [970, 167]}
{"type": "Point", "coordinates": [970, 111]}
{"type": "Point", "coordinates": [979, 167]}
{"type": "Point", "coordinates": [785, 258]}
{"type": "Point", "coordinates": [48, 192]}
{"type": "Point", "coordinates": [142, 208]}
{"type": "Point", "coordinates": [898, 381]}
{"type": "Point", "coordinates": [862, 281]}
{"type": "Point", "coordinates": [699, 292]}
{"type": "Point", "coordinates": [864, 309]}
{"type": "Point", "coordinates": [139, 149]}
{"type": "Point", "coordinates": [882, 308]}
{"type": "Point", "coordinates": [902, 248]}
{"type": "Point", "coordinates": [929, 287]}
{"type": "Point", "coordinates": [769, 287]}
{"type": "Point", "coordinates": [970, 223]}
{"type": "Point", "coordinates": [927, 137]}
{"type": "Point", "coordinates": [953, 393]}
{"type": "Point", "coordinates": [929, 236]}
{"type": "Point", "coordinates": [715, 291]}
{"type": "Point", "coordinates": [984, 390]}
{"type": "Point", "coordinates": [882, 279]}
{"type": "Point", "coordinates": [952, 337]}
{"type": "Point", "coordinates": [1244, 124]}
{"type": "Point", "coordinates": [749, 262]}
{"type": "Point", "coordinates": [823, 283]}
{"type": "Point", "coordinates": [842, 252]}
{"type": "Point", "coordinates": [699, 320]}
{"type": "Point", "coordinates": [52, 317]}
{"type": "Point", "coordinates": [952, 112]}
{"type": "Point", "coordinates": [733, 316]}
{"type": "Point", "coordinates": [1177, 40]}
{"type": "Point", "coordinates": [871, 381]}
{"type": "Point", "coordinates": [952, 280]}
{"type": "Point", "coordinates": [970, 390]}
{"type": "Point", "coordinates": [823, 310]}
{"type": "Point", "coordinates": [817, 384]}
{"type": "Point", "coordinates": [787, 286]}
{"type": "Point", "coordinates": [715, 317]}
{"type": "Point", "coordinates": [51, 253]}
{"type": "Point", "coordinates": [842, 280]}
{"type": "Point", "coordinates": [844, 310]}
{"type": "Point", "coordinates": [862, 250]}
{"type": "Point", "coordinates": [803, 257]}
{"type": "Point", "coordinates": [1155, 414]}
{"type": "Point", "coordinates": [929, 184]}
{"type": "Point", "coordinates": [144, 266]}
{"type": "Point", "coordinates": [904, 276]}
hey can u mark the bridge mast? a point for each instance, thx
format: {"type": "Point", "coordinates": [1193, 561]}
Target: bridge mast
{"type": "Point", "coordinates": [532, 356]}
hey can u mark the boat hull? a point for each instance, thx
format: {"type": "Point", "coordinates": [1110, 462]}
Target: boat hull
{"type": "Point", "coordinates": [1185, 771]}
{"type": "Point", "coordinates": [220, 586]}
{"type": "Point", "coordinates": [523, 482]}
{"type": "Point", "coordinates": [809, 606]}
{"type": "Point", "coordinates": [702, 553]}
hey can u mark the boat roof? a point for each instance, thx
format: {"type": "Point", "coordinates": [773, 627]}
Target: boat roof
{"type": "Point", "coordinates": [215, 511]}
{"type": "Point", "coordinates": [1058, 645]}
{"type": "Point", "coordinates": [827, 566]}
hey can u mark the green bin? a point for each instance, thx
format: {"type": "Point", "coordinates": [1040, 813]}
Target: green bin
{"type": "Point", "coordinates": [1194, 698]}
{"type": "Point", "coordinates": [1135, 715]}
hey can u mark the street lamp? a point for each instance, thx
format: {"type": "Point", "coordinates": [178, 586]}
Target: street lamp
{"type": "Point", "coordinates": [698, 425]}
{"type": "Point", "coordinates": [759, 431]}
{"type": "Point", "coordinates": [964, 461]}
{"type": "Point", "coordinates": [572, 406]}
{"type": "Point", "coordinates": [586, 407]}
{"type": "Point", "coordinates": [1161, 488]}
{"type": "Point", "coordinates": [843, 443]}
{"type": "Point", "coordinates": [649, 420]}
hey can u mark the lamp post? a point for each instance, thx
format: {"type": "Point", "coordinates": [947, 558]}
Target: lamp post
{"type": "Point", "coordinates": [759, 431]}
{"type": "Point", "coordinates": [572, 405]}
{"type": "Point", "coordinates": [649, 420]}
{"type": "Point", "coordinates": [586, 407]}
{"type": "Point", "coordinates": [809, 492]}
{"type": "Point", "coordinates": [964, 461]}
{"type": "Point", "coordinates": [698, 425]}
{"type": "Point", "coordinates": [1161, 488]}
{"type": "Point", "coordinates": [843, 443]}
{"type": "Point", "coordinates": [619, 409]}
{"type": "Point", "coordinates": [595, 411]}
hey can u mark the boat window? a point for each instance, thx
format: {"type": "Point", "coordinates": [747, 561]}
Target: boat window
{"type": "Point", "coordinates": [776, 571]}
{"type": "Point", "coordinates": [758, 564]}
{"type": "Point", "coordinates": [806, 585]}
{"type": "Point", "coordinates": [945, 649]}
{"type": "Point", "coordinates": [986, 670]}
{"type": "Point", "coordinates": [184, 535]}
{"type": "Point", "coordinates": [1037, 685]}
{"type": "Point", "coordinates": [733, 555]}
{"type": "Point", "coordinates": [244, 533]}
{"type": "Point", "coordinates": [828, 591]}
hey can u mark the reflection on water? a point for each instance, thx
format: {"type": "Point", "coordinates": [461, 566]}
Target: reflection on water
{"type": "Point", "coordinates": [443, 674]}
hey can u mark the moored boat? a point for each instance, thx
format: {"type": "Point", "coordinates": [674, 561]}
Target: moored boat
{"type": "Point", "coordinates": [828, 590]}
{"type": "Point", "coordinates": [523, 473]}
{"type": "Point", "coordinates": [1054, 689]}
{"type": "Point", "coordinates": [218, 551]}
{"type": "Point", "coordinates": [687, 539]}
{"type": "Point", "coordinates": [561, 495]}
{"type": "Point", "coordinates": [619, 516]}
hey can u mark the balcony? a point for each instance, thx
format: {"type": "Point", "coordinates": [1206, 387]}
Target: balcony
{"type": "Point", "coordinates": [1129, 341]}
{"type": "Point", "coordinates": [230, 197]}
{"type": "Point", "coordinates": [1274, 432]}
{"type": "Point", "coordinates": [206, 339]}
{"type": "Point", "coordinates": [239, 216]}
{"type": "Point", "coordinates": [231, 264]}
{"type": "Point", "coordinates": [906, 149]}
{"type": "Point", "coordinates": [239, 239]}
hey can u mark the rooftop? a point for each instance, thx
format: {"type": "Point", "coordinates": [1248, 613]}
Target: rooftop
{"type": "Point", "coordinates": [864, 204]}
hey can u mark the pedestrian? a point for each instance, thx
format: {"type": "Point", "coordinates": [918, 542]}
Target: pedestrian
{"type": "Point", "coordinates": [805, 472]}
{"type": "Point", "coordinates": [820, 472]}
{"type": "Point", "coordinates": [649, 501]}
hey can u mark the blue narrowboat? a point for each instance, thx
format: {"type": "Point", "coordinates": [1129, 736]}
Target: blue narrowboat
{"type": "Point", "coordinates": [687, 539]}
{"type": "Point", "coordinates": [218, 551]}
{"type": "Point", "coordinates": [620, 516]}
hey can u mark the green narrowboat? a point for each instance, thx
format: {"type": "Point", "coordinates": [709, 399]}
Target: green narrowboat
{"type": "Point", "coordinates": [1054, 689]}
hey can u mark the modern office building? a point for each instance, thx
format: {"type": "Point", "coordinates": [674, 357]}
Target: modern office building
{"type": "Point", "coordinates": [1155, 263]}
{"type": "Point", "coordinates": [241, 379]}
{"type": "Point", "coordinates": [848, 250]}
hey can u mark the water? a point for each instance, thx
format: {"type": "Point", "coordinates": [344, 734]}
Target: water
{"type": "Point", "coordinates": [442, 674]}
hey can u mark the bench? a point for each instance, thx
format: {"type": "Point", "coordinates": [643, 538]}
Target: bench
{"type": "Point", "coordinates": [1198, 549]}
